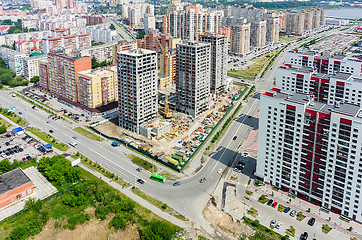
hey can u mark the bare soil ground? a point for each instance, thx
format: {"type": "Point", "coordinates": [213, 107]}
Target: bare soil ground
{"type": "Point", "coordinates": [93, 230]}
{"type": "Point", "coordinates": [230, 227]}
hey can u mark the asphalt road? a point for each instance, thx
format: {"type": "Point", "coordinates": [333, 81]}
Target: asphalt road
{"type": "Point", "coordinates": [190, 197]}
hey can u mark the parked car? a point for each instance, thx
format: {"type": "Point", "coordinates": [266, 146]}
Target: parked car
{"type": "Point", "coordinates": [219, 171]}
{"type": "Point", "coordinates": [270, 202]}
{"type": "Point", "coordinates": [140, 181]}
{"type": "Point", "coordinates": [202, 180]}
{"type": "Point", "coordinates": [7, 143]}
{"type": "Point", "coordinates": [51, 131]}
{"type": "Point", "coordinates": [139, 169]}
{"type": "Point", "coordinates": [279, 224]}
{"type": "Point", "coordinates": [311, 221]}
{"type": "Point", "coordinates": [273, 222]}
{"type": "Point", "coordinates": [177, 183]}
{"type": "Point", "coordinates": [304, 236]}
{"type": "Point", "coordinates": [287, 209]}
{"type": "Point", "coordinates": [24, 159]}
{"type": "Point", "coordinates": [235, 137]}
{"type": "Point", "coordinates": [29, 158]}
{"type": "Point", "coordinates": [293, 213]}
{"type": "Point", "coordinates": [275, 204]}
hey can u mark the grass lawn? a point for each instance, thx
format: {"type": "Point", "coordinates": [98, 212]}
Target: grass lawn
{"type": "Point", "coordinates": [253, 212]}
{"type": "Point", "coordinates": [2, 121]}
{"type": "Point", "coordinates": [88, 134]}
{"type": "Point", "coordinates": [168, 175]}
{"type": "Point", "coordinates": [48, 138]}
{"type": "Point", "coordinates": [300, 216]}
{"type": "Point", "coordinates": [286, 39]}
{"type": "Point", "coordinates": [326, 229]}
{"type": "Point", "coordinates": [290, 231]}
{"type": "Point", "coordinates": [142, 163]}
{"type": "Point", "coordinates": [263, 199]}
{"type": "Point", "coordinates": [253, 70]}
{"type": "Point", "coordinates": [281, 208]}
{"type": "Point", "coordinates": [249, 193]}
{"type": "Point", "coordinates": [163, 206]}
{"type": "Point", "coordinates": [13, 117]}
{"type": "Point", "coordinates": [265, 230]}
{"type": "Point", "coordinates": [4, 88]}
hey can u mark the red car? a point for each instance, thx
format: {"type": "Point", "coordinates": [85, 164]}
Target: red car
{"type": "Point", "coordinates": [24, 159]}
{"type": "Point", "coordinates": [275, 204]}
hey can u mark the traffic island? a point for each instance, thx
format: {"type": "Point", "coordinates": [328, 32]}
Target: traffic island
{"type": "Point", "coordinates": [300, 216]}
{"type": "Point", "coordinates": [326, 229]}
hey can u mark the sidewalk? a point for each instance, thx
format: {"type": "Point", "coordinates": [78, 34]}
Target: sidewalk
{"type": "Point", "coordinates": [302, 206]}
{"type": "Point", "coordinates": [128, 192]}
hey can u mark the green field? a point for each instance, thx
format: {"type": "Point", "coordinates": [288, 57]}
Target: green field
{"type": "Point", "coordinates": [48, 138]}
{"type": "Point", "coordinates": [88, 134]}
{"type": "Point", "coordinates": [254, 69]}
{"type": "Point", "coordinates": [13, 117]}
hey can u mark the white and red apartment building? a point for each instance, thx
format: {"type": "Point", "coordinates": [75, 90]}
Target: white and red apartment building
{"type": "Point", "coordinates": [312, 150]}
{"type": "Point", "coordinates": [327, 88]}
{"type": "Point", "coordinates": [73, 42]}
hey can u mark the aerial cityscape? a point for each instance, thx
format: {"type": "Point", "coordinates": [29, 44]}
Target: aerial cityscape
{"type": "Point", "coordinates": [181, 119]}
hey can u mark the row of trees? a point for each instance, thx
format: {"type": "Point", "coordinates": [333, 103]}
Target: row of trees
{"type": "Point", "coordinates": [96, 64]}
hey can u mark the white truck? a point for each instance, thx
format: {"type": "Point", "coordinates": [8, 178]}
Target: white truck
{"type": "Point", "coordinates": [73, 143]}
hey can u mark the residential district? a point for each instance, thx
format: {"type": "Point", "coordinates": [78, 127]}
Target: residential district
{"type": "Point", "coordinates": [180, 120]}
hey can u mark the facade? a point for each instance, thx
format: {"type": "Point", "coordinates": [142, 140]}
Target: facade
{"type": "Point", "coordinates": [43, 74]}
{"type": "Point", "coordinates": [328, 65]}
{"type": "Point", "coordinates": [14, 186]}
{"type": "Point", "coordinates": [193, 77]}
{"type": "Point", "coordinates": [312, 150]}
{"type": "Point", "coordinates": [219, 52]}
{"type": "Point", "coordinates": [101, 34]}
{"type": "Point", "coordinates": [28, 46]}
{"type": "Point", "coordinates": [149, 23]}
{"type": "Point", "coordinates": [240, 39]}
{"type": "Point", "coordinates": [62, 75]}
{"type": "Point", "coordinates": [94, 20]}
{"type": "Point", "coordinates": [13, 60]}
{"type": "Point", "coordinates": [137, 88]}
{"type": "Point", "coordinates": [97, 87]}
{"type": "Point", "coordinates": [272, 30]}
{"type": "Point", "coordinates": [104, 52]}
{"type": "Point", "coordinates": [298, 22]}
{"type": "Point", "coordinates": [294, 23]}
{"type": "Point", "coordinates": [258, 34]}
{"type": "Point", "coordinates": [31, 66]}
{"type": "Point", "coordinates": [66, 42]}
{"type": "Point", "coordinates": [327, 88]}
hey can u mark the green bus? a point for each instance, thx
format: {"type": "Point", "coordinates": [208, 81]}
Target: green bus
{"type": "Point", "coordinates": [158, 178]}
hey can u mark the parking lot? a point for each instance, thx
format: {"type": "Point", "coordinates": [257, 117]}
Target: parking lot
{"type": "Point", "coordinates": [20, 147]}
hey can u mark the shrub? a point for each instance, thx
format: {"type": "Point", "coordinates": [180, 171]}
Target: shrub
{"type": "Point", "coordinates": [118, 222]}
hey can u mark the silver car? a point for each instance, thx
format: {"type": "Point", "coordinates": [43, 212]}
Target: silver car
{"type": "Point", "coordinates": [279, 224]}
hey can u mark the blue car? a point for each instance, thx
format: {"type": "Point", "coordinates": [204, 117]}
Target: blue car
{"type": "Point", "coordinates": [176, 183]}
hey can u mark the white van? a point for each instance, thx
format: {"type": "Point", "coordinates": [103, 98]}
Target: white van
{"type": "Point", "coordinates": [73, 143]}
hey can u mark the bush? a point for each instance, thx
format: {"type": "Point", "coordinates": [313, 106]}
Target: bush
{"type": "Point", "coordinates": [77, 220]}
{"type": "Point", "coordinates": [158, 230]}
{"type": "Point", "coordinates": [118, 222]}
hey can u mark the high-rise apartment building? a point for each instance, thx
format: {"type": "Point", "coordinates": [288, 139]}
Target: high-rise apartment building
{"type": "Point", "coordinates": [258, 34]}
{"type": "Point", "coordinates": [308, 20]}
{"type": "Point", "coordinates": [272, 30]}
{"type": "Point", "coordinates": [43, 74]}
{"type": "Point", "coordinates": [137, 88]}
{"type": "Point", "coordinates": [59, 75]}
{"type": "Point", "coordinates": [218, 58]}
{"type": "Point", "coordinates": [13, 60]}
{"type": "Point", "coordinates": [193, 77]}
{"type": "Point", "coordinates": [294, 22]}
{"type": "Point", "coordinates": [240, 39]}
{"type": "Point", "coordinates": [312, 150]}
{"type": "Point", "coordinates": [31, 66]}
{"type": "Point", "coordinates": [66, 42]}
{"type": "Point", "coordinates": [97, 87]}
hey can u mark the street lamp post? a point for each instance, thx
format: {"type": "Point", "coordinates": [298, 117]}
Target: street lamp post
{"type": "Point", "coordinates": [185, 207]}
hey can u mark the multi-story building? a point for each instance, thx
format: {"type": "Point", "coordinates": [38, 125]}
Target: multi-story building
{"type": "Point", "coordinates": [97, 87]}
{"type": "Point", "coordinates": [258, 34]}
{"type": "Point", "coordinates": [294, 23]}
{"type": "Point", "coordinates": [329, 65]}
{"type": "Point", "coordinates": [327, 88]}
{"type": "Point", "coordinates": [104, 52]}
{"type": "Point", "coordinates": [240, 38]}
{"type": "Point", "coordinates": [193, 77]}
{"type": "Point", "coordinates": [31, 66]}
{"type": "Point", "coordinates": [272, 30]}
{"type": "Point", "coordinates": [94, 20]}
{"type": "Point", "coordinates": [135, 13]}
{"type": "Point", "coordinates": [312, 150]}
{"type": "Point", "coordinates": [191, 22]}
{"type": "Point", "coordinates": [219, 51]}
{"type": "Point", "coordinates": [13, 60]}
{"type": "Point", "coordinates": [298, 22]}
{"type": "Point", "coordinates": [308, 20]}
{"type": "Point", "coordinates": [149, 23]}
{"type": "Point", "coordinates": [9, 39]}
{"type": "Point", "coordinates": [137, 88]}
{"type": "Point", "coordinates": [59, 75]}
{"type": "Point", "coordinates": [28, 46]}
{"type": "Point", "coordinates": [43, 74]}
{"type": "Point", "coordinates": [66, 42]}
{"type": "Point", "coordinates": [101, 34]}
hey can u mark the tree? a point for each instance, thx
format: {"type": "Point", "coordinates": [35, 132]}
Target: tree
{"type": "Point", "coordinates": [112, 27]}
{"type": "Point", "coordinates": [118, 222]}
{"type": "Point", "coordinates": [34, 79]}
{"type": "Point", "coordinates": [141, 35]}
{"type": "Point", "coordinates": [5, 166]}
{"type": "Point", "coordinates": [2, 129]}
{"type": "Point", "coordinates": [6, 78]}
{"type": "Point", "coordinates": [158, 230]}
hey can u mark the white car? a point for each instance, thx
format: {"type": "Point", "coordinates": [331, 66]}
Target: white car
{"type": "Point", "coordinates": [279, 224]}
{"type": "Point", "coordinates": [219, 171]}
{"type": "Point", "coordinates": [3, 155]}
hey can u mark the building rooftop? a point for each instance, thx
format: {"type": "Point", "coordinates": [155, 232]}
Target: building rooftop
{"type": "Point", "coordinates": [12, 180]}
{"type": "Point", "coordinates": [344, 76]}
{"type": "Point", "coordinates": [192, 43]}
{"type": "Point", "coordinates": [137, 52]}
{"type": "Point", "coordinates": [298, 69]}
{"type": "Point", "coordinates": [95, 72]}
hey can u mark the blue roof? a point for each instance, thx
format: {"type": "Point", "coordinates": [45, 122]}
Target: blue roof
{"type": "Point", "coordinates": [47, 146]}
{"type": "Point", "coordinates": [18, 129]}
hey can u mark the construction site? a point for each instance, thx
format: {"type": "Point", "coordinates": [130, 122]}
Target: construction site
{"type": "Point", "coordinates": [173, 139]}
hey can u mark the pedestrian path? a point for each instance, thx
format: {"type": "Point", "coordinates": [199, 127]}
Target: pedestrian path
{"type": "Point", "coordinates": [128, 192]}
